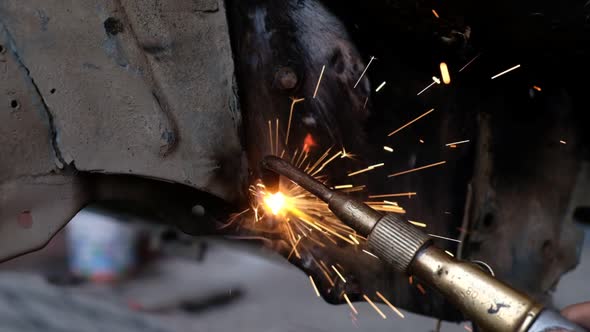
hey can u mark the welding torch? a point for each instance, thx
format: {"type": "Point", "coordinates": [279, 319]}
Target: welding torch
{"type": "Point", "coordinates": [490, 303]}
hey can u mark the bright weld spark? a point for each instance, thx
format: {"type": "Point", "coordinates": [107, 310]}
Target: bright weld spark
{"type": "Point", "coordinates": [338, 273]}
{"type": "Point", "coordinates": [366, 101]}
{"type": "Point", "coordinates": [324, 270]}
{"type": "Point", "coordinates": [468, 63]}
{"type": "Point", "coordinates": [537, 88]}
{"type": "Point", "coordinates": [389, 208]}
{"type": "Point", "coordinates": [326, 163]}
{"type": "Point", "coordinates": [435, 13]}
{"type": "Point", "coordinates": [449, 253]}
{"type": "Point", "coordinates": [387, 148]}
{"type": "Point", "coordinates": [374, 306]}
{"type": "Point", "coordinates": [275, 202]}
{"type": "Point", "coordinates": [315, 93]}
{"type": "Point", "coordinates": [456, 143]}
{"type": "Point", "coordinates": [294, 250]}
{"type": "Point", "coordinates": [391, 203]}
{"type": "Point", "coordinates": [562, 142]}
{"type": "Point", "coordinates": [436, 79]}
{"type": "Point", "coordinates": [416, 169]}
{"type": "Point", "coordinates": [347, 154]}
{"type": "Point", "coordinates": [369, 253]}
{"type": "Point", "coordinates": [421, 141]}
{"type": "Point", "coordinates": [506, 71]}
{"type": "Point", "coordinates": [417, 223]}
{"type": "Point", "coordinates": [409, 194]}
{"type": "Point", "coordinates": [391, 306]}
{"type": "Point", "coordinates": [343, 186]}
{"type": "Point", "coordinates": [370, 168]}
{"type": "Point", "coordinates": [426, 88]}
{"type": "Point", "coordinates": [295, 101]}
{"type": "Point", "coordinates": [350, 304]}
{"type": "Point", "coordinates": [409, 123]}
{"type": "Point", "coordinates": [444, 238]}
{"type": "Point", "coordinates": [444, 71]}
{"type": "Point", "coordinates": [315, 288]}
{"type": "Point", "coordinates": [325, 267]}
{"type": "Point", "coordinates": [353, 239]}
{"type": "Point", "coordinates": [363, 73]}
{"type": "Point", "coordinates": [380, 86]}
{"type": "Point", "coordinates": [355, 189]}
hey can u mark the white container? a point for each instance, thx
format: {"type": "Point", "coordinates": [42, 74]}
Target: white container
{"type": "Point", "coordinates": [102, 244]}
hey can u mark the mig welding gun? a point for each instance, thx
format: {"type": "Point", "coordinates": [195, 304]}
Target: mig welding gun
{"type": "Point", "coordinates": [491, 304]}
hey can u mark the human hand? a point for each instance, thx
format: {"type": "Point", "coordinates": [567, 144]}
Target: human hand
{"type": "Point", "coordinates": [578, 313]}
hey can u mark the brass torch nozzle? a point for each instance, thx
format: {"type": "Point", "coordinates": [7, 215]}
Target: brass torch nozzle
{"type": "Point", "coordinates": [491, 304]}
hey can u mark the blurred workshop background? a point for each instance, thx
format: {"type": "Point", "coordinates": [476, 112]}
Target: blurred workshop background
{"type": "Point", "coordinates": [78, 284]}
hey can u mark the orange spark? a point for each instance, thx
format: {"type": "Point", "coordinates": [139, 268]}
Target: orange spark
{"type": "Point", "coordinates": [308, 142]}
{"type": "Point", "coordinates": [421, 289]}
{"type": "Point", "coordinates": [370, 168]}
{"type": "Point", "coordinates": [363, 73]}
{"type": "Point", "coordinates": [417, 223]}
{"type": "Point", "coordinates": [444, 238]}
{"type": "Point", "coordinates": [294, 250]}
{"type": "Point", "coordinates": [409, 194]}
{"type": "Point", "coordinates": [374, 306]}
{"type": "Point", "coordinates": [505, 71]}
{"type": "Point", "coordinates": [468, 63]}
{"type": "Point", "coordinates": [350, 304]}
{"type": "Point", "coordinates": [444, 71]}
{"type": "Point", "coordinates": [393, 308]}
{"type": "Point", "coordinates": [369, 253]}
{"type": "Point", "coordinates": [409, 123]}
{"type": "Point", "coordinates": [456, 143]}
{"type": "Point", "coordinates": [270, 135]}
{"type": "Point", "coordinates": [295, 101]}
{"type": "Point", "coordinates": [314, 286]}
{"type": "Point", "coordinates": [435, 13]}
{"type": "Point", "coordinates": [416, 169]}
{"type": "Point", "coordinates": [536, 88]}
{"type": "Point", "coordinates": [319, 81]}
{"type": "Point", "coordinates": [338, 273]}
{"type": "Point", "coordinates": [277, 137]}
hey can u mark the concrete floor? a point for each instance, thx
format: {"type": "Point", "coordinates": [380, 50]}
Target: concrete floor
{"type": "Point", "coordinates": [258, 292]}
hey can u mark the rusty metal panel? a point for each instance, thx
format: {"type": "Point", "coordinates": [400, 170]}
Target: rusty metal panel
{"type": "Point", "coordinates": [135, 87]}
{"type": "Point", "coordinates": [35, 202]}
{"type": "Point", "coordinates": [125, 87]}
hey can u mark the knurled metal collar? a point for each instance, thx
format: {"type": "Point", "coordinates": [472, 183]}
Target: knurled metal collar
{"type": "Point", "coordinates": [396, 241]}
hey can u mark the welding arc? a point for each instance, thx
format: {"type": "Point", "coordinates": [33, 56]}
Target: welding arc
{"type": "Point", "coordinates": [306, 181]}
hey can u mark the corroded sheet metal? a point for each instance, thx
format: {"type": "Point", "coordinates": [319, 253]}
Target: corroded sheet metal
{"type": "Point", "coordinates": [121, 87]}
{"type": "Point", "coordinates": [137, 87]}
